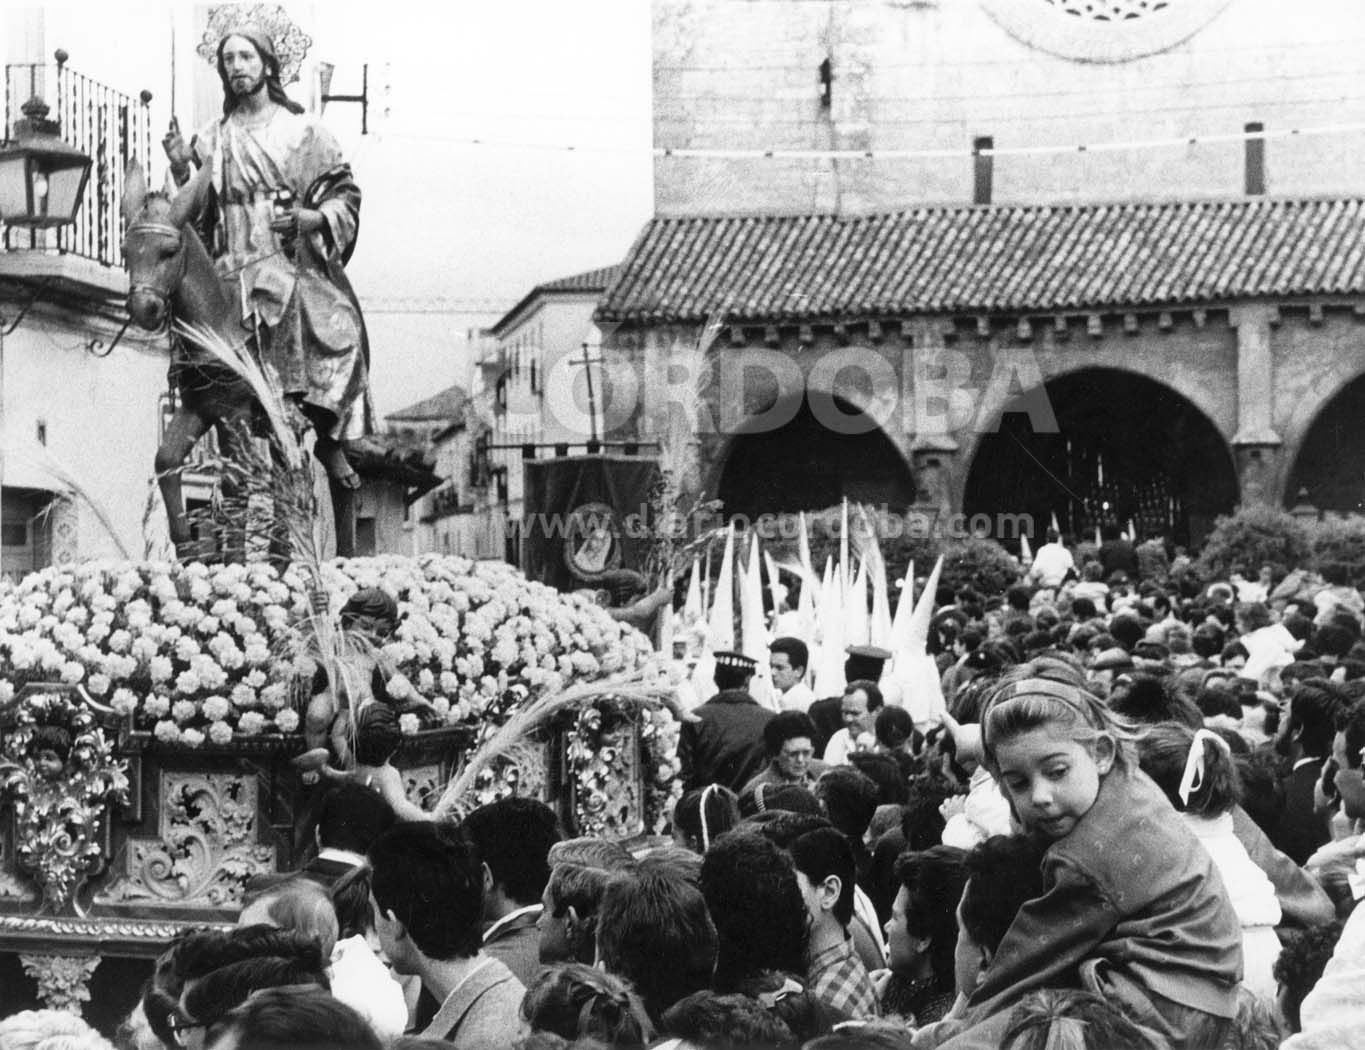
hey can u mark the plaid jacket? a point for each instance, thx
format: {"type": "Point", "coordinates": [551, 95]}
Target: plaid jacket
{"type": "Point", "coordinates": [838, 979]}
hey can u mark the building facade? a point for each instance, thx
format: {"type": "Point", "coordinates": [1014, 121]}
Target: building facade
{"type": "Point", "coordinates": [81, 409]}
{"type": "Point", "coordinates": [542, 387]}
{"type": "Point", "coordinates": [1151, 333]}
{"type": "Point", "coordinates": [906, 88]}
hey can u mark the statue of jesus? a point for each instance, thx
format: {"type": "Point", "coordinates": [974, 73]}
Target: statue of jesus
{"type": "Point", "coordinates": [281, 210]}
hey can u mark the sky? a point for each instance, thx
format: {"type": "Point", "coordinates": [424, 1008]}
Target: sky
{"type": "Point", "coordinates": [452, 234]}
{"type": "Point", "coordinates": [481, 225]}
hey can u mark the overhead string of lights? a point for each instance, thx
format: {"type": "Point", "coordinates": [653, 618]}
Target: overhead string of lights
{"type": "Point", "coordinates": [763, 153]}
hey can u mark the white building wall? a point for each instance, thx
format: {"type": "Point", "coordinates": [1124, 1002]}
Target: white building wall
{"type": "Point", "coordinates": [935, 74]}
{"type": "Point", "coordinates": [100, 418]}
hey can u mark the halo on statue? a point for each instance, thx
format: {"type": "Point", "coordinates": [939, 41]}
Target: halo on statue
{"type": "Point", "coordinates": [291, 42]}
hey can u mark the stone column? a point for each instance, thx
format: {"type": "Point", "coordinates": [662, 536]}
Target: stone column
{"type": "Point", "coordinates": [1256, 445]}
{"type": "Point", "coordinates": [934, 452]}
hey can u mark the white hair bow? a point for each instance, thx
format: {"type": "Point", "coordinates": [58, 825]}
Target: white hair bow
{"type": "Point", "coordinates": [1193, 778]}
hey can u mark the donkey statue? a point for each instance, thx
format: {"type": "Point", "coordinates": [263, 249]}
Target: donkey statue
{"type": "Point", "coordinates": [172, 279]}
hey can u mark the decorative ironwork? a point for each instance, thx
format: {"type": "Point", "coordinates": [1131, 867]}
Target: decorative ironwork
{"type": "Point", "coordinates": [291, 42]}
{"type": "Point", "coordinates": [108, 125]}
{"type": "Point", "coordinates": [208, 846]}
{"type": "Point", "coordinates": [63, 980]}
{"type": "Point", "coordinates": [59, 772]}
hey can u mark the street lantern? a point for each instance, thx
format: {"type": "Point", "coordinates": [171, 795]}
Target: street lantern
{"type": "Point", "coordinates": [42, 178]}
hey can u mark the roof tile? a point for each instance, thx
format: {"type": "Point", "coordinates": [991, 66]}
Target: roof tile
{"type": "Point", "coordinates": [994, 258]}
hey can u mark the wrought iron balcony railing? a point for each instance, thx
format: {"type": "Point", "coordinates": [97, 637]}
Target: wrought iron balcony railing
{"type": "Point", "coordinates": [106, 124]}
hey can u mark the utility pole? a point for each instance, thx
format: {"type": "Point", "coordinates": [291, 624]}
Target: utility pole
{"type": "Point", "coordinates": [587, 363]}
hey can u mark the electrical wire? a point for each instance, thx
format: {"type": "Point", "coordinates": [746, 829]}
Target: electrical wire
{"type": "Point", "coordinates": [776, 153]}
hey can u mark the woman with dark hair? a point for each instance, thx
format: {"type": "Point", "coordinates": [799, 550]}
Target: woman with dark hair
{"type": "Point", "coordinates": [575, 1001]}
{"type": "Point", "coordinates": [922, 935]}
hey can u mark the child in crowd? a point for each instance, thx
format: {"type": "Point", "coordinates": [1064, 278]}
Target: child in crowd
{"type": "Point", "coordinates": [1197, 773]}
{"type": "Point", "coordinates": [703, 815]}
{"type": "Point", "coordinates": [1133, 908]}
{"type": "Point", "coordinates": [575, 1001]}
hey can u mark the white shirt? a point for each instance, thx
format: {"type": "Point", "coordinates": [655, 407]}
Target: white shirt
{"type": "Point", "coordinates": [1253, 899]}
{"type": "Point", "coordinates": [841, 745]}
{"type": "Point", "coordinates": [985, 813]}
{"type": "Point", "coordinates": [342, 856]}
{"type": "Point", "coordinates": [1051, 564]}
{"type": "Point", "coordinates": [365, 984]}
{"type": "Point", "coordinates": [530, 909]}
{"type": "Point", "coordinates": [798, 698]}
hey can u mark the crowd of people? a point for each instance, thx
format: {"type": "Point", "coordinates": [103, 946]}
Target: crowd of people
{"type": "Point", "coordinates": [1136, 826]}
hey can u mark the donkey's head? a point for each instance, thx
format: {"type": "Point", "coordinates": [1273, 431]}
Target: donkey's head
{"type": "Point", "coordinates": [153, 249]}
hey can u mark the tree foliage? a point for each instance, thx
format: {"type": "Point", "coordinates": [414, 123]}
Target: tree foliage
{"type": "Point", "coordinates": [1251, 537]}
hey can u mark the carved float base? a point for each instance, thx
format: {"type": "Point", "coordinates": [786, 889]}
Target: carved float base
{"type": "Point", "coordinates": [63, 980]}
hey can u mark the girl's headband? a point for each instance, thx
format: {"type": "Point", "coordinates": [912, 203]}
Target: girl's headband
{"type": "Point", "coordinates": [1193, 778]}
{"type": "Point", "coordinates": [1045, 687]}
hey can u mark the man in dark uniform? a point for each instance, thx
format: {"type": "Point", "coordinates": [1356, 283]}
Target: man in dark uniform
{"type": "Point", "coordinates": [861, 662]}
{"type": "Point", "coordinates": [725, 746]}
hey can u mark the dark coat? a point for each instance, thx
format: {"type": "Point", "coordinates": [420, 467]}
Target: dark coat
{"type": "Point", "coordinates": [726, 746]}
{"type": "Point", "coordinates": [1119, 556]}
{"type": "Point", "coordinates": [1300, 831]}
{"type": "Point", "coordinates": [827, 714]}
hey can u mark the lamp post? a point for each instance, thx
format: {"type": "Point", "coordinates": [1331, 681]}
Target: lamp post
{"type": "Point", "coordinates": [42, 181]}
{"type": "Point", "coordinates": [42, 178]}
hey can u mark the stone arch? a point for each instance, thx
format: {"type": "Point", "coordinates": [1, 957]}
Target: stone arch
{"type": "Point", "coordinates": [1127, 446]}
{"type": "Point", "coordinates": [1330, 458]}
{"type": "Point", "coordinates": [804, 465]}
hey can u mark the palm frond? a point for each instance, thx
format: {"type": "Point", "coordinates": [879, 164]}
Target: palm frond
{"type": "Point", "coordinates": [240, 360]}
{"type": "Point", "coordinates": [516, 735]}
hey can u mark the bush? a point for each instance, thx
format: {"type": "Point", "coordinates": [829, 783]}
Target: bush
{"type": "Point", "coordinates": [981, 564]}
{"type": "Point", "coordinates": [1339, 550]}
{"type": "Point", "coordinates": [1252, 537]}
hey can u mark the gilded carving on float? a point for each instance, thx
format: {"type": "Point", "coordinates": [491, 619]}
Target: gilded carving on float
{"type": "Point", "coordinates": [207, 846]}
{"type": "Point", "coordinates": [63, 980]}
{"type": "Point", "coordinates": [59, 773]}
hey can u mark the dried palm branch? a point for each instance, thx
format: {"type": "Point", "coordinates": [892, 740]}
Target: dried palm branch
{"type": "Point", "coordinates": [282, 476]}
{"type": "Point", "coordinates": [515, 737]}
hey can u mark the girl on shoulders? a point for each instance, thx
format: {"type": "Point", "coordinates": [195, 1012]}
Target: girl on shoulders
{"type": "Point", "coordinates": [1132, 908]}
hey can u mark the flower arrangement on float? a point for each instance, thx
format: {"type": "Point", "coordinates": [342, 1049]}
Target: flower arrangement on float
{"type": "Point", "coordinates": [206, 656]}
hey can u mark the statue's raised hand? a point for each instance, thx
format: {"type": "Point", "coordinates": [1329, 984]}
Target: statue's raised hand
{"type": "Point", "coordinates": [177, 151]}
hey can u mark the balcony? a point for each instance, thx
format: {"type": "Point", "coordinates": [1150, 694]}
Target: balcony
{"type": "Point", "coordinates": [85, 259]}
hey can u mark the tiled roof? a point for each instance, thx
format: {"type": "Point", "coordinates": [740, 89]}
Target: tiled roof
{"type": "Point", "coordinates": [589, 281]}
{"type": "Point", "coordinates": [446, 407]}
{"type": "Point", "coordinates": [988, 258]}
